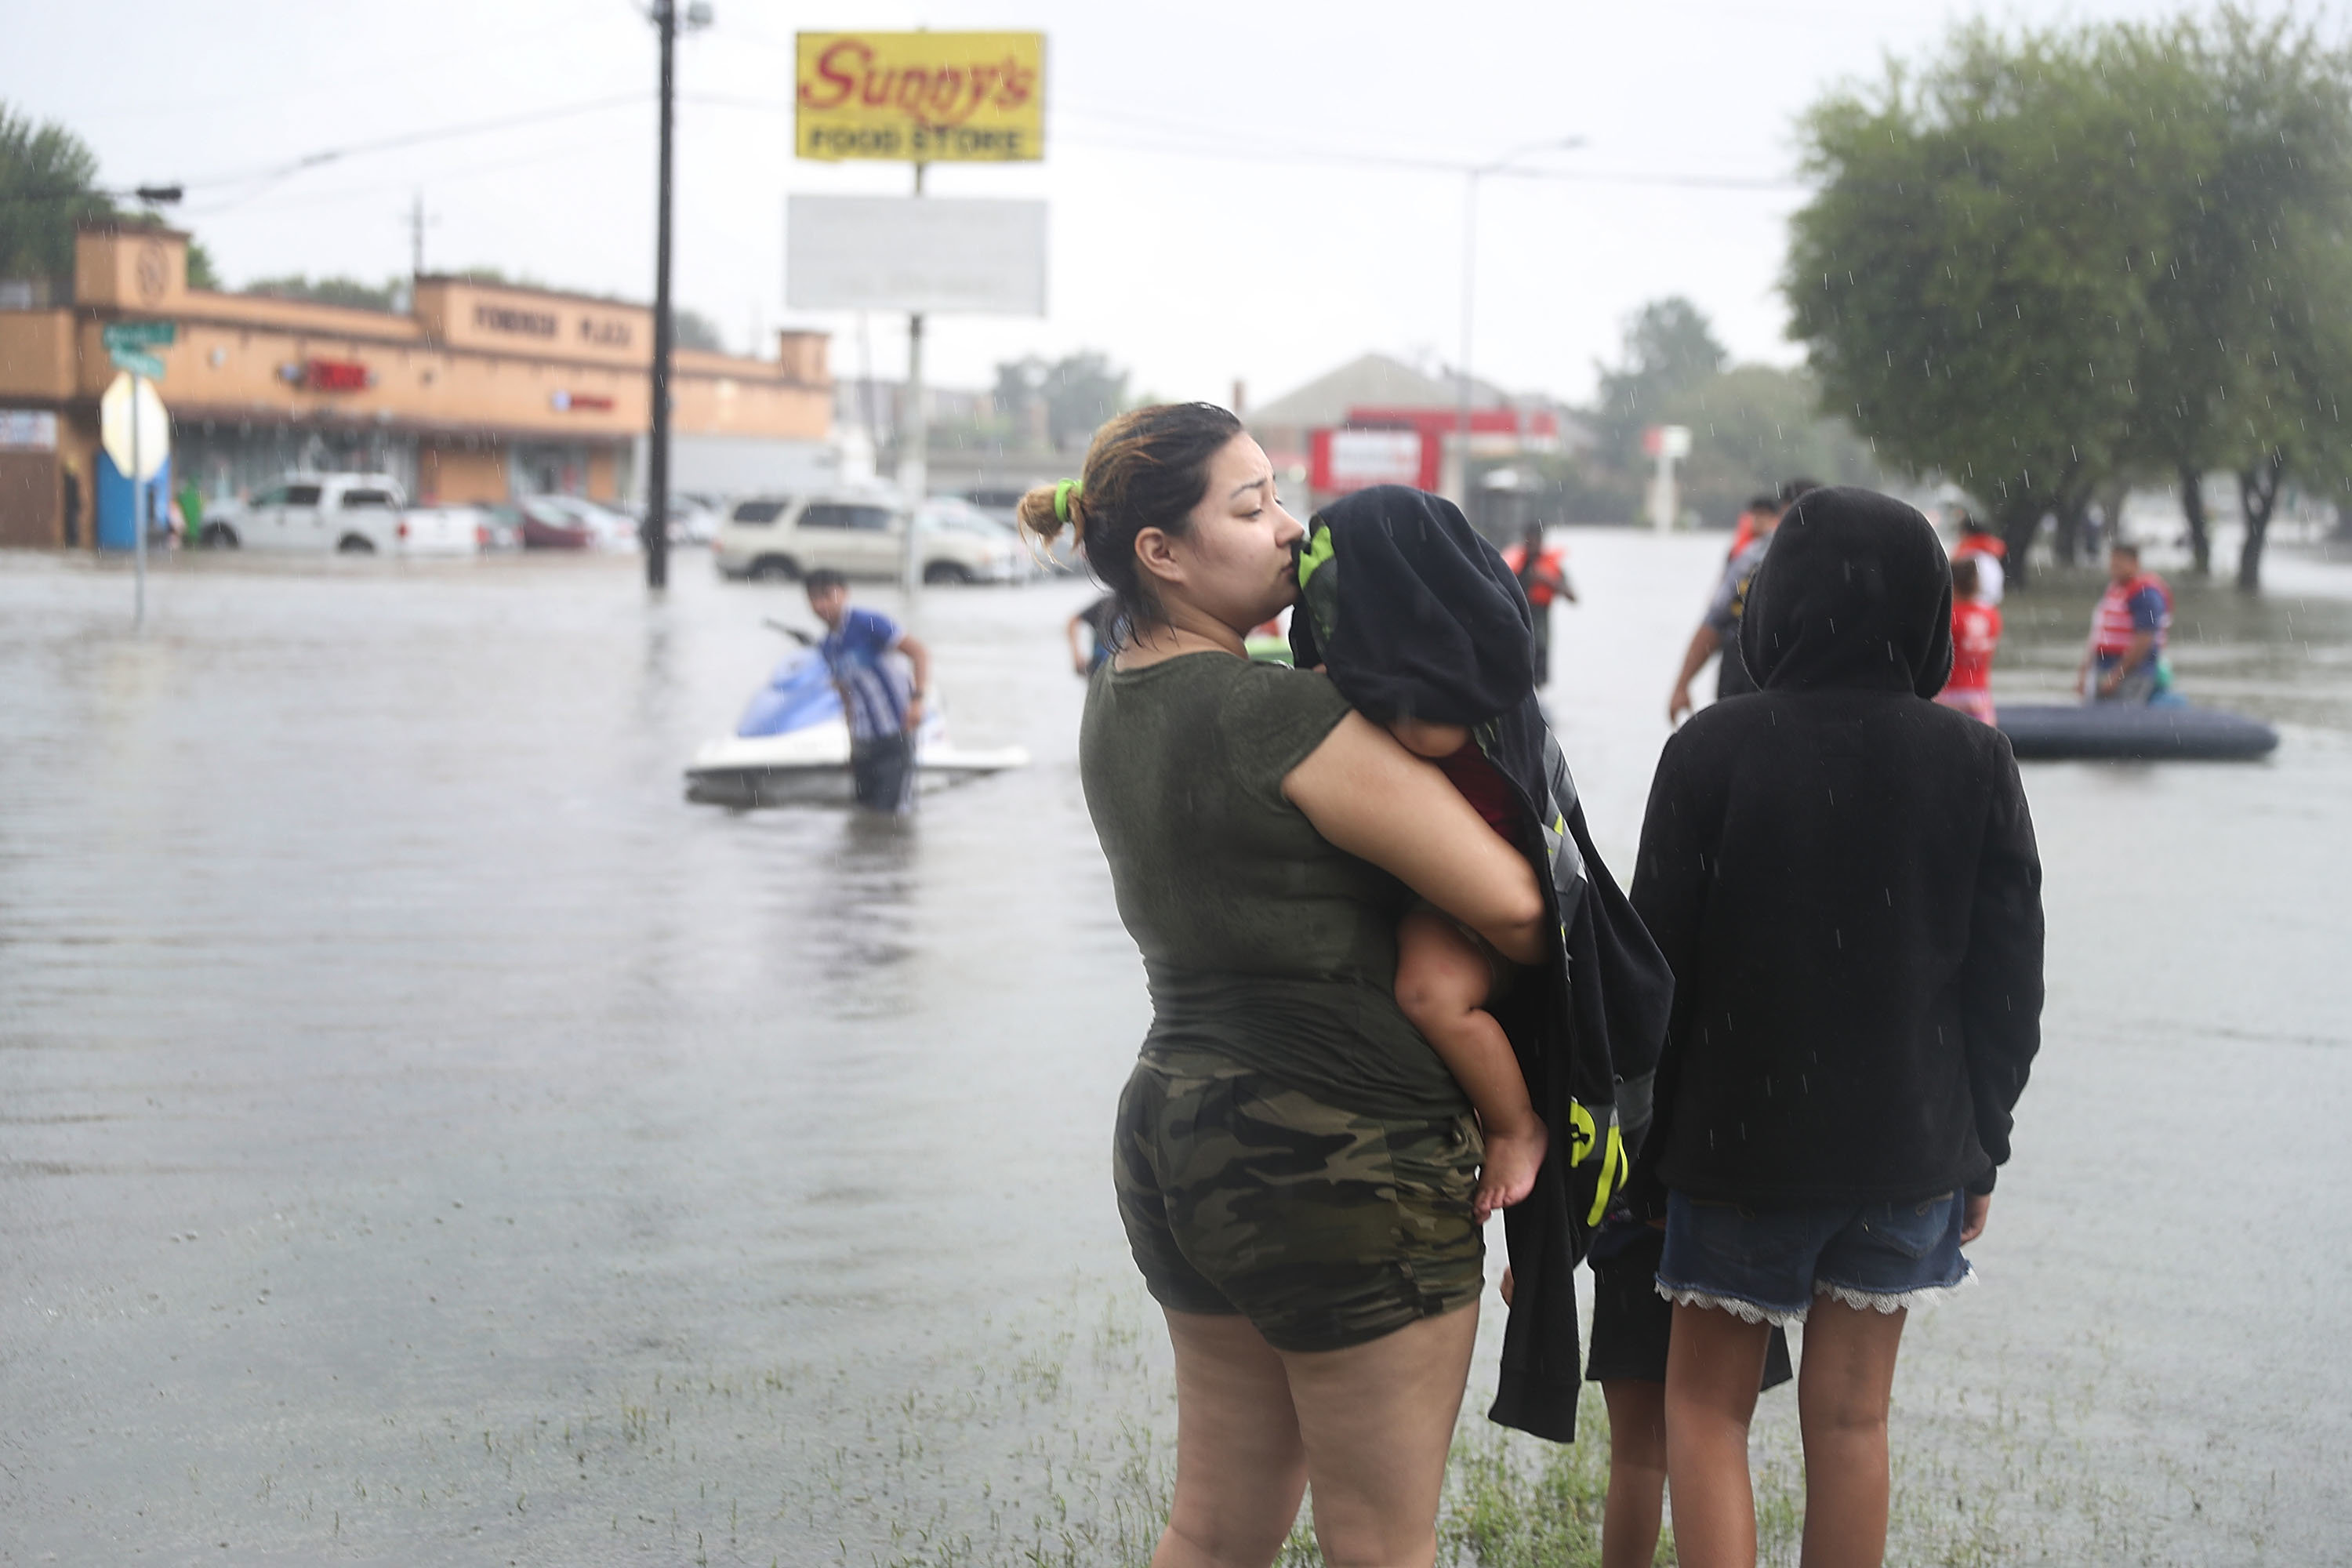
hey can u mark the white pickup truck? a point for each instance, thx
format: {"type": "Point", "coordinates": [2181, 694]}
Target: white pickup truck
{"type": "Point", "coordinates": [360, 514]}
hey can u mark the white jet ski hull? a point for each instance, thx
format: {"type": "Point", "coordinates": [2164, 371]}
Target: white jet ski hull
{"type": "Point", "coordinates": [811, 767]}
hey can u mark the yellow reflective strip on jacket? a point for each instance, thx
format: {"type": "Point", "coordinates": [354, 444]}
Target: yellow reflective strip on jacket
{"type": "Point", "coordinates": [1319, 548]}
{"type": "Point", "coordinates": [1615, 1170]}
{"type": "Point", "coordinates": [1581, 1129]}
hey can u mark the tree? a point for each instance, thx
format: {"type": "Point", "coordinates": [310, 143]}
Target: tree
{"type": "Point", "coordinates": [2056, 262]}
{"type": "Point", "coordinates": [693, 329]}
{"type": "Point", "coordinates": [1670, 348]}
{"type": "Point", "coordinates": [1752, 426]}
{"type": "Point", "coordinates": [48, 187]}
{"type": "Point", "coordinates": [1071, 396]}
{"type": "Point", "coordinates": [2244, 362]}
{"type": "Point", "coordinates": [1958, 281]}
{"type": "Point", "coordinates": [349, 292]}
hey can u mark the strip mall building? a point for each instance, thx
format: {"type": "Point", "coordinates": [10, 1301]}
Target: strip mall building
{"type": "Point", "coordinates": [479, 391]}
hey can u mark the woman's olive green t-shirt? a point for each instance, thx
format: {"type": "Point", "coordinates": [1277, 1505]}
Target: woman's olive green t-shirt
{"type": "Point", "coordinates": [1262, 943]}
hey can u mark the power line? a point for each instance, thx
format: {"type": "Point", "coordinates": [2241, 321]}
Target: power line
{"type": "Point", "coordinates": [1274, 152]}
{"type": "Point", "coordinates": [420, 138]}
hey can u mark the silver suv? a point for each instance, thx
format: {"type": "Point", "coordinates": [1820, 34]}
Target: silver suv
{"type": "Point", "coordinates": [863, 534]}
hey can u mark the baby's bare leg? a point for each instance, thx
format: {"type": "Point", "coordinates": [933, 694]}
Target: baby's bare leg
{"type": "Point", "coordinates": [1441, 984]}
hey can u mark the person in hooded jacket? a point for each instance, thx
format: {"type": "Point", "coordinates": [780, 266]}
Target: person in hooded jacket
{"type": "Point", "coordinates": [1843, 877]}
{"type": "Point", "coordinates": [1423, 627]}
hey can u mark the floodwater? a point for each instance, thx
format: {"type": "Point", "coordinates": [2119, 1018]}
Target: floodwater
{"type": "Point", "coordinates": [426, 1137]}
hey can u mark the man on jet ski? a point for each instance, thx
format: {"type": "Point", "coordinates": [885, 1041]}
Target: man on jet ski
{"type": "Point", "coordinates": [882, 709]}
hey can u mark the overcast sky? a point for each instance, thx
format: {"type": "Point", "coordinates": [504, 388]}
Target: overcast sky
{"type": "Point", "coordinates": [1208, 224]}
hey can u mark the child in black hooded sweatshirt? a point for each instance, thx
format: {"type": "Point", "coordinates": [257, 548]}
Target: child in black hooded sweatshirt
{"type": "Point", "coordinates": [1842, 876]}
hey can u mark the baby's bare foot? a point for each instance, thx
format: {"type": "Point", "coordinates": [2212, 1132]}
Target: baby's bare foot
{"type": "Point", "coordinates": [1508, 1175]}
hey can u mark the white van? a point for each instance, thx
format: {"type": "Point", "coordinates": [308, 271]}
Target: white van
{"type": "Point", "coordinates": [863, 534]}
{"type": "Point", "coordinates": [355, 514]}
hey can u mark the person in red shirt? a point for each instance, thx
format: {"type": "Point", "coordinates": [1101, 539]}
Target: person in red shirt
{"type": "Point", "coordinates": [1983, 546]}
{"type": "Point", "coordinates": [1543, 576]}
{"type": "Point", "coordinates": [1976, 633]}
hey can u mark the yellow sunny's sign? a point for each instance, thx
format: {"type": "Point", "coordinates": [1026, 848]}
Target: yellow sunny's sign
{"type": "Point", "coordinates": [921, 98]}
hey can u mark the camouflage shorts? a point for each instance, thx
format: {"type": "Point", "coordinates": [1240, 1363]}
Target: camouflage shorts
{"type": "Point", "coordinates": [1325, 1227]}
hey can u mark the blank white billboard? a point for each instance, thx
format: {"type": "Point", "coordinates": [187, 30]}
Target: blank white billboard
{"type": "Point", "coordinates": [915, 253]}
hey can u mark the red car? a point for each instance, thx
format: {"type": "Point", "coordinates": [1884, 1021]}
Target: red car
{"type": "Point", "coordinates": [548, 524]}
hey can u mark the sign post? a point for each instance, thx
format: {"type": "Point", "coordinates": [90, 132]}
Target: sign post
{"type": "Point", "coordinates": [921, 98]}
{"type": "Point", "coordinates": [127, 343]}
{"type": "Point", "coordinates": [1668, 443]}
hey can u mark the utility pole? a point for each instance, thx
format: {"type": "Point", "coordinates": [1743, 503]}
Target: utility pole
{"type": "Point", "coordinates": [656, 532]}
{"type": "Point", "coordinates": [1470, 293]}
{"type": "Point", "coordinates": [416, 236]}
{"type": "Point", "coordinates": [914, 441]}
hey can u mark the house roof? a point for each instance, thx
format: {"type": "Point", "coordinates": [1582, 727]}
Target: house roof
{"type": "Point", "coordinates": [1373, 380]}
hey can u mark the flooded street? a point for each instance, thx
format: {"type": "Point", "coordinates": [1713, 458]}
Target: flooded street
{"type": "Point", "coordinates": [426, 1137]}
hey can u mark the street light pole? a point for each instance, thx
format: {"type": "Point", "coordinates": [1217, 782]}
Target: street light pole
{"type": "Point", "coordinates": [1470, 293]}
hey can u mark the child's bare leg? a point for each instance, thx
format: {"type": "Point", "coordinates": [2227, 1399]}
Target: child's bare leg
{"type": "Point", "coordinates": [1842, 1392]}
{"type": "Point", "coordinates": [1715, 1368]}
{"type": "Point", "coordinates": [1442, 981]}
{"type": "Point", "coordinates": [1637, 1472]}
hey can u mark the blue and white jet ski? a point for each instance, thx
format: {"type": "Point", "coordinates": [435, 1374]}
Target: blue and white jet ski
{"type": "Point", "coordinates": [792, 746]}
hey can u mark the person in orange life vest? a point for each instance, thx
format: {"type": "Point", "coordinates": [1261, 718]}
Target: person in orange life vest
{"type": "Point", "coordinates": [1762, 513]}
{"type": "Point", "coordinates": [1983, 546]}
{"type": "Point", "coordinates": [1976, 633]}
{"type": "Point", "coordinates": [2125, 660]}
{"type": "Point", "coordinates": [1543, 576]}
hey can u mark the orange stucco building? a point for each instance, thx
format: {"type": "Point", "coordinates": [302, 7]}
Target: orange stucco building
{"type": "Point", "coordinates": [479, 392]}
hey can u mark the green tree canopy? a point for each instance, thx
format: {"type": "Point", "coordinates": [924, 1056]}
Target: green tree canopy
{"type": "Point", "coordinates": [48, 187]}
{"type": "Point", "coordinates": [1670, 348]}
{"type": "Point", "coordinates": [1076, 394]}
{"type": "Point", "coordinates": [2050, 262]}
{"type": "Point", "coordinates": [693, 329]}
{"type": "Point", "coordinates": [349, 292]}
{"type": "Point", "coordinates": [1752, 426]}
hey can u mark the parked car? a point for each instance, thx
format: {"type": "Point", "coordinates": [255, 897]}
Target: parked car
{"type": "Point", "coordinates": [614, 529]}
{"type": "Point", "coordinates": [693, 520]}
{"type": "Point", "coordinates": [442, 531]}
{"type": "Point", "coordinates": [977, 547]}
{"type": "Point", "coordinates": [863, 534]}
{"type": "Point", "coordinates": [549, 523]}
{"type": "Point", "coordinates": [504, 521]}
{"type": "Point", "coordinates": [355, 514]}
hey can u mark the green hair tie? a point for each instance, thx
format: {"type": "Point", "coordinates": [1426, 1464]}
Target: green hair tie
{"type": "Point", "coordinates": [1062, 494]}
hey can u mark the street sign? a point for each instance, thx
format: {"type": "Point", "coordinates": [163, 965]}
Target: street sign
{"type": "Point", "coordinates": [930, 254]}
{"type": "Point", "coordinates": [141, 453]}
{"type": "Point", "coordinates": [137, 363]}
{"type": "Point", "coordinates": [125, 335]}
{"type": "Point", "coordinates": [921, 98]}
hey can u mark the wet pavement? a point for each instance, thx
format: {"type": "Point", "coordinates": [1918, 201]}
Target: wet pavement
{"type": "Point", "coordinates": [424, 1136]}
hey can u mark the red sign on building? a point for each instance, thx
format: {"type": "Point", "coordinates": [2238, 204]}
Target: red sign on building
{"type": "Point", "coordinates": [337, 376]}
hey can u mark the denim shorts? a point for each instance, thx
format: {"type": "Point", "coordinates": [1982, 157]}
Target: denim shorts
{"type": "Point", "coordinates": [1766, 1264]}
